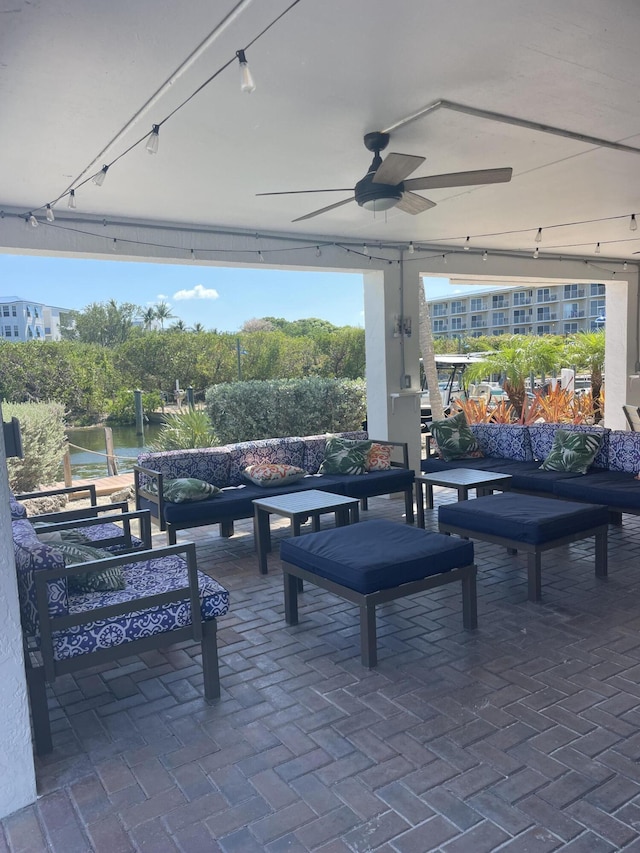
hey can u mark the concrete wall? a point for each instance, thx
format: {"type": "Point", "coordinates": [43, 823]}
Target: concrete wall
{"type": "Point", "coordinates": [17, 774]}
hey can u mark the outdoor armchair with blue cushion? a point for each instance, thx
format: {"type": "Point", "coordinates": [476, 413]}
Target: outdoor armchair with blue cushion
{"type": "Point", "coordinates": [165, 600]}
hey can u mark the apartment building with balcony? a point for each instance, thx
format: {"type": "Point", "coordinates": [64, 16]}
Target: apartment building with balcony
{"type": "Point", "coordinates": [24, 320]}
{"type": "Point", "coordinates": [560, 309]}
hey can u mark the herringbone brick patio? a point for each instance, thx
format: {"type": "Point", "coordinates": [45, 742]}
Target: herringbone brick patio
{"type": "Point", "coordinates": [521, 736]}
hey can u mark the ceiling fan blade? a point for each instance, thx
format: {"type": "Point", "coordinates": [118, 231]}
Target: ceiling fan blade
{"type": "Point", "coordinates": [323, 210]}
{"type": "Point", "coordinates": [460, 179]}
{"type": "Point", "coordinates": [298, 192]}
{"type": "Point", "coordinates": [396, 167]}
{"type": "Point", "coordinates": [413, 203]}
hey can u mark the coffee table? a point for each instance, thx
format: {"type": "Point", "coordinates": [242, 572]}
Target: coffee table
{"type": "Point", "coordinates": [460, 479]}
{"type": "Point", "coordinates": [297, 507]}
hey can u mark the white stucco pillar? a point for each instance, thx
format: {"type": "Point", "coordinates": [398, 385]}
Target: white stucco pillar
{"type": "Point", "coordinates": [622, 350]}
{"type": "Point", "coordinates": [17, 772]}
{"type": "Point", "coordinates": [392, 354]}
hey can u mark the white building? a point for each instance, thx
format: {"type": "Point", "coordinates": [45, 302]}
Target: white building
{"type": "Point", "coordinates": [554, 309]}
{"type": "Point", "coordinates": [22, 320]}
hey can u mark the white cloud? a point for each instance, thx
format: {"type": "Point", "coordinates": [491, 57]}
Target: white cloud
{"type": "Point", "coordinates": [161, 297]}
{"type": "Point", "coordinates": [198, 292]}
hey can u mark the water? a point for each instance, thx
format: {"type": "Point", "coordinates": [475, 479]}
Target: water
{"type": "Point", "coordinates": [127, 446]}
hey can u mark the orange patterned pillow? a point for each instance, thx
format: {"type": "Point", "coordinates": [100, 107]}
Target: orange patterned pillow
{"type": "Point", "coordinates": [379, 458]}
{"type": "Point", "coordinates": [273, 474]}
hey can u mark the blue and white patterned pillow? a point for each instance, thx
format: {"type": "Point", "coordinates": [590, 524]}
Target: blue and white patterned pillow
{"type": "Point", "coordinates": [278, 451]}
{"type": "Point", "coordinates": [624, 451]}
{"type": "Point", "coordinates": [504, 441]}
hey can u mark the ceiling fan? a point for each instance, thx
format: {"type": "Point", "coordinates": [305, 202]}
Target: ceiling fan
{"type": "Point", "coordinates": [384, 186]}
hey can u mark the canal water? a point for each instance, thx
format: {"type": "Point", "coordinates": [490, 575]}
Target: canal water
{"type": "Point", "coordinates": [127, 446]}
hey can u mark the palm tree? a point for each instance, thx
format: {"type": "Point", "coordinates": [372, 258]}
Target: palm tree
{"type": "Point", "coordinates": [179, 326]}
{"type": "Point", "coordinates": [149, 317]}
{"type": "Point", "coordinates": [163, 312]}
{"type": "Point", "coordinates": [515, 360]}
{"type": "Point", "coordinates": [198, 327]}
{"type": "Point", "coordinates": [428, 357]}
{"type": "Point", "coordinates": [586, 351]}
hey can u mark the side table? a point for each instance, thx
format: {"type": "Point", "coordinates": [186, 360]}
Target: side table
{"type": "Point", "coordinates": [460, 479]}
{"type": "Point", "coordinates": [298, 506]}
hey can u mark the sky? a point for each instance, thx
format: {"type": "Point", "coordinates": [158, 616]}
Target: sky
{"type": "Point", "coordinates": [221, 298]}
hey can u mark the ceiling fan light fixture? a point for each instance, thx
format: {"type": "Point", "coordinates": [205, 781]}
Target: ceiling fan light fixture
{"type": "Point", "coordinates": [71, 204]}
{"type": "Point", "coordinates": [50, 215]}
{"type": "Point", "coordinates": [597, 250]}
{"type": "Point", "coordinates": [633, 225]}
{"type": "Point", "coordinates": [467, 244]}
{"type": "Point", "coordinates": [539, 236]}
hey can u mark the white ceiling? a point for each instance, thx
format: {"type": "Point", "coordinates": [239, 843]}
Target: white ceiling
{"type": "Point", "coordinates": [74, 73]}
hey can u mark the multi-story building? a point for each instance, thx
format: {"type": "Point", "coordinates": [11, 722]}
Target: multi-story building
{"type": "Point", "coordinates": [21, 320]}
{"type": "Point", "coordinates": [559, 309]}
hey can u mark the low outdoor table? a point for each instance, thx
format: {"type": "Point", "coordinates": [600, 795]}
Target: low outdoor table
{"type": "Point", "coordinates": [460, 479]}
{"type": "Point", "coordinates": [297, 507]}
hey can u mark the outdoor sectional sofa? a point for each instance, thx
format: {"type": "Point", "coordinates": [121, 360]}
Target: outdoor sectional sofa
{"type": "Point", "coordinates": [224, 466]}
{"type": "Point", "coordinates": [519, 451]}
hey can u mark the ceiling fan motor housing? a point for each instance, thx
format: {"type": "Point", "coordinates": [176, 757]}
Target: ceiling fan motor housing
{"type": "Point", "coordinates": [374, 196]}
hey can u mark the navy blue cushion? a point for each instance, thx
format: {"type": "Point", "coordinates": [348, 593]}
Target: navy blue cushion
{"type": "Point", "coordinates": [229, 504]}
{"type": "Point", "coordinates": [614, 488]}
{"type": "Point", "coordinates": [530, 478]}
{"type": "Point", "coordinates": [370, 484]}
{"type": "Point", "coordinates": [523, 518]}
{"type": "Point", "coordinates": [487, 463]}
{"type": "Point", "coordinates": [375, 555]}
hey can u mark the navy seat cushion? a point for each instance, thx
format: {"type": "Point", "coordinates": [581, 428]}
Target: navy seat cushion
{"type": "Point", "coordinates": [369, 484]}
{"type": "Point", "coordinates": [375, 555]}
{"type": "Point", "coordinates": [530, 478]}
{"type": "Point", "coordinates": [230, 503]}
{"type": "Point", "coordinates": [614, 488]}
{"type": "Point", "coordinates": [486, 463]}
{"type": "Point", "coordinates": [523, 518]}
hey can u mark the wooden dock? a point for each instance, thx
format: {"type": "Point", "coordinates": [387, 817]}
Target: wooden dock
{"type": "Point", "coordinates": [104, 485]}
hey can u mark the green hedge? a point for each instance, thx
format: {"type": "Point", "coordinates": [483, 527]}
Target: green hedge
{"type": "Point", "coordinates": [43, 442]}
{"type": "Point", "coordinates": [245, 411]}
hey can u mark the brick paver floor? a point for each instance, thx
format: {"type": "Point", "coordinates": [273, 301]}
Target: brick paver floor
{"type": "Point", "coordinates": [521, 736]}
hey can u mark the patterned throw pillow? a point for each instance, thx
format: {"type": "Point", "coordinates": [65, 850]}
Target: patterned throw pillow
{"type": "Point", "coordinates": [273, 474]}
{"type": "Point", "coordinates": [572, 451]}
{"type": "Point", "coordinates": [55, 536]}
{"type": "Point", "coordinates": [379, 458]}
{"type": "Point", "coordinates": [345, 456]}
{"type": "Point", "coordinates": [101, 580]}
{"type": "Point", "coordinates": [454, 438]}
{"type": "Point", "coordinates": [185, 489]}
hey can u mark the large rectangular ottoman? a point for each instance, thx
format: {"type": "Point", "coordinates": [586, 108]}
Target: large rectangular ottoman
{"type": "Point", "coordinates": [374, 562]}
{"type": "Point", "coordinates": [530, 524]}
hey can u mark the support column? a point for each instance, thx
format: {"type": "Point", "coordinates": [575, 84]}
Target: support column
{"type": "Point", "coordinates": [17, 772]}
{"type": "Point", "coordinates": [622, 350]}
{"type": "Point", "coordinates": [392, 353]}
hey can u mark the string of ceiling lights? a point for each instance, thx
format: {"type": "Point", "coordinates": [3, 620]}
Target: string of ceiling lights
{"type": "Point", "coordinates": [152, 139]}
{"type": "Point", "coordinates": [247, 84]}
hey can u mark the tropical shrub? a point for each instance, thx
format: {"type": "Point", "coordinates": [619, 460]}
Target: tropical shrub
{"type": "Point", "coordinates": [43, 441]}
{"type": "Point", "coordinates": [244, 411]}
{"type": "Point", "coordinates": [122, 409]}
{"type": "Point", "coordinates": [184, 430]}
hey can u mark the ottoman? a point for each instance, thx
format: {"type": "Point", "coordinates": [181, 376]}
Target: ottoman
{"type": "Point", "coordinates": [531, 524]}
{"type": "Point", "coordinates": [374, 562]}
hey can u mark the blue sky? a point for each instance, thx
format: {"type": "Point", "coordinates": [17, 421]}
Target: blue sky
{"type": "Point", "coordinates": [221, 298]}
